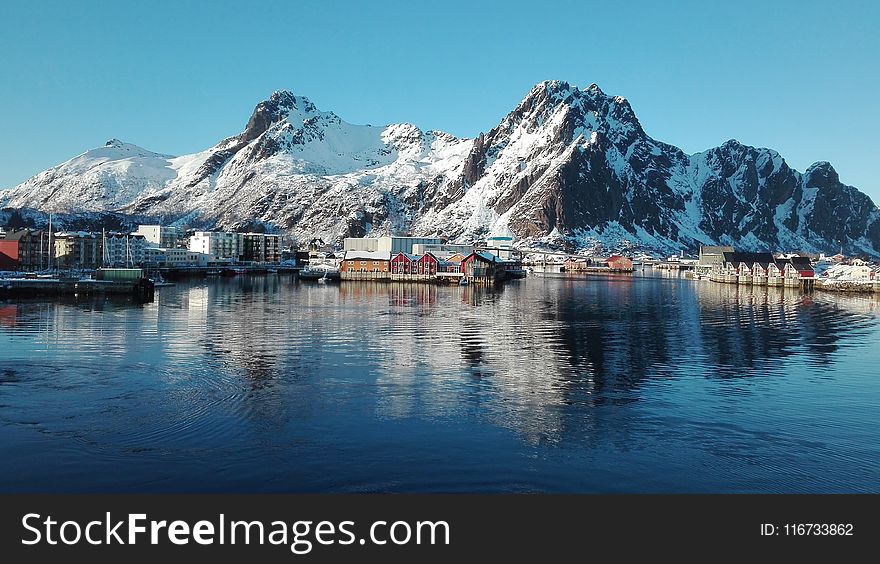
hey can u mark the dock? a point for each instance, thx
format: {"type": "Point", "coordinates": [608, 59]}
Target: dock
{"type": "Point", "coordinates": [141, 289]}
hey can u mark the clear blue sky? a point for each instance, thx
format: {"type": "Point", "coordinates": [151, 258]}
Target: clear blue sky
{"type": "Point", "coordinates": [802, 77]}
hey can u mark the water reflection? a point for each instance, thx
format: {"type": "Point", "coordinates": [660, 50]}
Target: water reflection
{"type": "Point", "coordinates": [261, 379]}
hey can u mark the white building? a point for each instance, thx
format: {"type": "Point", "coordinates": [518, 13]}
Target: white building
{"type": "Point", "coordinates": [442, 250]}
{"type": "Point", "coordinates": [174, 257]}
{"type": "Point", "coordinates": [161, 235]}
{"type": "Point", "coordinates": [368, 244]}
{"type": "Point", "coordinates": [123, 249]}
{"type": "Point", "coordinates": [218, 244]}
{"type": "Point", "coordinates": [391, 245]}
{"type": "Point", "coordinates": [247, 247]}
{"type": "Point", "coordinates": [501, 246]}
{"type": "Point", "coordinates": [849, 273]}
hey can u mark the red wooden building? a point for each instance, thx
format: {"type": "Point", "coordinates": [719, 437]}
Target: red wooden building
{"type": "Point", "coordinates": [481, 266]}
{"type": "Point", "coordinates": [427, 265]}
{"type": "Point", "coordinates": [404, 263]}
{"type": "Point", "coordinates": [9, 255]}
{"type": "Point", "coordinates": [617, 262]}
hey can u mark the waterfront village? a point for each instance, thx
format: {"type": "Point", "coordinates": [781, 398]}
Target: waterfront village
{"type": "Point", "coordinates": [43, 261]}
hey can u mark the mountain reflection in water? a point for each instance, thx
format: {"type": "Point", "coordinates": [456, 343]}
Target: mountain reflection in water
{"type": "Point", "coordinates": [626, 383]}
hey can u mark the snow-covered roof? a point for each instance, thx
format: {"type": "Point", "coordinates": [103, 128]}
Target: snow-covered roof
{"type": "Point", "coordinates": [367, 255]}
{"type": "Point", "coordinates": [81, 234]}
{"type": "Point", "coordinates": [846, 270]}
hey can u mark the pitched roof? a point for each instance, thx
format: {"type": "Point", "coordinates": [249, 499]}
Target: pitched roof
{"type": "Point", "coordinates": [488, 257]}
{"type": "Point", "coordinates": [16, 235]}
{"type": "Point", "coordinates": [748, 258]}
{"type": "Point", "coordinates": [800, 263]}
{"type": "Point", "coordinates": [409, 256]}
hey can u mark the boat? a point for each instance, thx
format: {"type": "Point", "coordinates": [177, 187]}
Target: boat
{"type": "Point", "coordinates": [320, 272]}
{"type": "Point", "coordinates": [159, 282]}
{"type": "Point", "coordinates": [229, 272]}
{"type": "Point", "coordinates": [463, 282]}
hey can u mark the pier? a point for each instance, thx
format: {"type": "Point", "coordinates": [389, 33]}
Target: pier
{"type": "Point", "coordinates": [141, 289]}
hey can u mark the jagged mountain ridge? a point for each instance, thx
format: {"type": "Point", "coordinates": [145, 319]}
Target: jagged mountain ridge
{"type": "Point", "coordinates": [566, 166]}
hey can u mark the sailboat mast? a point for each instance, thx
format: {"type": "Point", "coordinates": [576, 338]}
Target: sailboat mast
{"type": "Point", "coordinates": [50, 243]}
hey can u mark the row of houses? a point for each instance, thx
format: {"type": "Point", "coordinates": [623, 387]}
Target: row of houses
{"type": "Point", "coordinates": [614, 263]}
{"type": "Point", "coordinates": [500, 246]}
{"type": "Point", "coordinates": [477, 266]}
{"type": "Point", "coordinates": [762, 269]}
{"type": "Point", "coordinates": [36, 249]}
{"type": "Point", "coordinates": [154, 245]}
{"type": "Point", "coordinates": [857, 271]}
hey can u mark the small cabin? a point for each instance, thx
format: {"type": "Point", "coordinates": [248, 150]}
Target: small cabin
{"type": "Point", "coordinates": [481, 265]}
{"type": "Point", "coordinates": [618, 262]}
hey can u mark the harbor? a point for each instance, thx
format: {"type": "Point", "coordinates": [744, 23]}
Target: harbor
{"type": "Point", "coordinates": [112, 282]}
{"type": "Point", "coordinates": [43, 262]}
{"type": "Point", "coordinates": [351, 385]}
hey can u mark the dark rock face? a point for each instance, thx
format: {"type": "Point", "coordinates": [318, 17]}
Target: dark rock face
{"type": "Point", "coordinates": [840, 213]}
{"type": "Point", "coordinates": [733, 194]}
{"type": "Point", "coordinates": [270, 112]}
{"type": "Point", "coordinates": [214, 163]}
{"type": "Point", "coordinates": [475, 163]}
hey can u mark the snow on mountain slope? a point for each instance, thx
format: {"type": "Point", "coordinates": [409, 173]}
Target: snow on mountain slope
{"type": "Point", "coordinates": [567, 166]}
{"type": "Point", "coordinates": [101, 179]}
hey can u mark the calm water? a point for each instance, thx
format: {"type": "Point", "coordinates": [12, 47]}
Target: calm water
{"type": "Point", "coordinates": [627, 384]}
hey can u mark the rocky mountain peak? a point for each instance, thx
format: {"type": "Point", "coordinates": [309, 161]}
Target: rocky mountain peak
{"type": "Point", "coordinates": [821, 174]}
{"type": "Point", "coordinates": [280, 106]}
{"type": "Point", "coordinates": [566, 166]}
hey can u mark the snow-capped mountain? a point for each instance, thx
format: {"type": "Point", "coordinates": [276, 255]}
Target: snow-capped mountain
{"type": "Point", "coordinates": [567, 165]}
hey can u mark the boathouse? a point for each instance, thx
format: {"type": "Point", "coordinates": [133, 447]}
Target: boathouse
{"type": "Point", "coordinates": [482, 267]}
{"type": "Point", "coordinates": [365, 265]}
{"type": "Point", "coordinates": [426, 265]}
{"type": "Point", "coordinates": [404, 263]}
{"type": "Point", "coordinates": [619, 263]}
{"type": "Point", "coordinates": [574, 264]}
{"type": "Point", "coordinates": [764, 269]}
{"type": "Point", "coordinates": [740, 267]}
